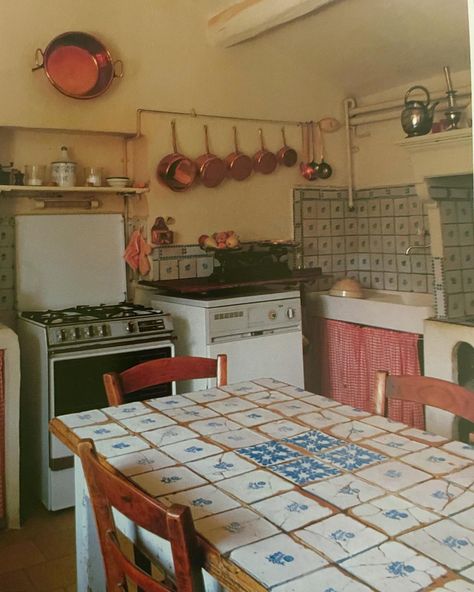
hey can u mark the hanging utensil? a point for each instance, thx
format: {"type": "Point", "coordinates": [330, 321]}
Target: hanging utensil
{"type": "Point", "coordinates": [313, 164]}
{"type": "Point", "coordinates": [324, 169]}
{"type": "Point", "coordinates": [239, 165]}
{"type": "Point", "coordinates": [286, 156]}
{"type": "Point", "coordinates": [305, 168]}
{"type": "Point", "coordinates": [175, 170]}
{"type": "Point", "coordinates": [264, 161]}
{"type": "Point", "coordinates": [329, 124]}
{"type": "Point", "coordinates": [212, 169]}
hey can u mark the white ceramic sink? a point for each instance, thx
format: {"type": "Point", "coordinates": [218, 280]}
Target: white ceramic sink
{"type": "Point", "coordinates": [401, 311]}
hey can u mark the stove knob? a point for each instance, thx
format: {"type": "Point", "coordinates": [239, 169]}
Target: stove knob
{"type": "Point", "coordinates": [131, 327]}
{"type": "Point", "coordinates": [272, 315]}
{"type": "Point", "coordinates": [76, 333]}
{"type": "Point", "coordinates": [103, 330]}
{"type": "Point", "coordinates": [291, 313]}
{"type": "Point", "coordinates": [61, 335]}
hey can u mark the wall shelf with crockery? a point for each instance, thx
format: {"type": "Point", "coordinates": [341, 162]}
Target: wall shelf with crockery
{"type": "Point", "coordinates": [50, 191]}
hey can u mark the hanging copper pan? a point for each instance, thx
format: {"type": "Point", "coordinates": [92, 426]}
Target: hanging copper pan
{"type": "Point", "coordinates": [264, 161]}
{"type": "Point", "coordinates": [286, 156]}
{"type": "Point", "coordinates": [175, 170]}
{"type": "Point", "coordinates": [212, 169]}
{"type": "Point", "coordinates": [239, 165]}
{"type": "Point", "coordinates": [78, 65]}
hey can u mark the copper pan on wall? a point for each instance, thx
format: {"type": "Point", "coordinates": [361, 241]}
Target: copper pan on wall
{"type": "Point", "coordinates": [286, 156]}
{"type": "Point", "coordinates": [175, 170]}
{"type": "Point", "coordinates": [239, 165]}
{"type": "Point", "coordinates": [212, 169]}
{"type": "Point", "coordinates": [264, 161]}
{"type": "Point", "coordinates": [78, 65]}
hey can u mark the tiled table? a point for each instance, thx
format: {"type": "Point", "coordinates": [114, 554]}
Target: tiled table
{"type": "Point", "coordinates": [291, 491]}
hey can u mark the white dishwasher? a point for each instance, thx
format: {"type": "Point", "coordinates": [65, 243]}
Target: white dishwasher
{"type": "Point", "coordinates": [259, 331]}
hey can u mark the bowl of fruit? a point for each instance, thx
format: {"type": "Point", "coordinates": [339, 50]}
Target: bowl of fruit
{"type": "Point", "coordinates": [219, 241]}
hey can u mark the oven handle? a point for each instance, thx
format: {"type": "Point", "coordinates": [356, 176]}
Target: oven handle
{"type": "Point", "coordinates": [123, 346]}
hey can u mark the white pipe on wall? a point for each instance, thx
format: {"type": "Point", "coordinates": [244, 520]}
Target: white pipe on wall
{"type": "Point", "coordinates": [349, 104]}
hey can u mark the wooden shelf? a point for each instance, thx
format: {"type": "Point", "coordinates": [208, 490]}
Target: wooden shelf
{"type": "Point", "coordinates": [117, 133]}
{"type": "Point", "coordinates": [48, 191]}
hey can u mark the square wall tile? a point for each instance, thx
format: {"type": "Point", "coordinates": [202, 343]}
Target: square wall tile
{"type": "Point", "coordinates": [363, 244]}
{"type": "Point", "coordinates": [401, 244]}
{"type": "Point", "coordinates": [352, 244]}
{"type": "Point", "coordinates": [448, 212]}
{"type": "Point", "coordinates": [466, 234]}
{"type": "Point", "coordinates": [310, 246]}
{"type": "Point", "coordinates": [390, 281]}
{"type": "Point", "coordinates": [376, 262]}
{"type": "Point", "coordinates": [337, 227]}
{"type": "Point", "coordinates": [464, 211]}
{"type": "Point", "coordinates": [337, 209]}
{"type": "Point", "coordinates": [386, 207]}
{"type": "Point", "coordinates": [375, 226]}
{"type": "Point", "coordinates": [204, 266]}
{"type": "Point", "coordinates": [390, 262]}
{"type": "Point", "coordinates": [308, 208]}
{"type": "Point", "coordinates": [450, 235]}
{"type": "Point", "coordinates": [467, 258]}
{"type": "Point", "coordinates": [468, 280]}
{"type": "Point", "coordinates": [338, 245]}
{"type": "Point", "coordinates": [187, 268]}
{"type": "Point", "coordinates": [169, 269]}
{"type": "Point", "coordinates": [388, 244]}
{"type": "Point", "coordinates": [376, 280]}
{"type": "Point", "coordinates": [325, 245]}
{"type": "Point", "coordinates": [452, 258]}
{"type": "Point", "coordinates": [373, 208]}
{"type": "Point", "coordinates": [419, 282]}
{"type": "Point", "coordinates": [309, 228]}
{"type": "Point", "coordinates": [414, 205]}
{"type": "Point", "coordinates": [350, 226]}
{"type": "Point", "coordinates": [401, 206]}
{"type": "Point", "coordinates": [322, 228]}
{"type": "Point", "coordinates": [323, 209]}
{"type": "Point", "coordinates": [469, 303]}
{"type": "Point", "coordinates": [453, 282]}
{"type": "Point", "coordinates": [404, 282]}
{"type": "Point", "coordinates": [375, 243]}
{"type": "Point", "coordinates": [402, 225]}
{"type": "Point", "coordinates": [455, 306]}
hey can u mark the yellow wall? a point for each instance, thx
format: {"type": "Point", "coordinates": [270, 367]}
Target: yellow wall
{"type": "Point", "coordinates": [168, 65]}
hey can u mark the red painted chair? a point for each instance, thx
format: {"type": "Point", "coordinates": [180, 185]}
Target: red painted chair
{"type": "Point", "coordinates": [120, 387]}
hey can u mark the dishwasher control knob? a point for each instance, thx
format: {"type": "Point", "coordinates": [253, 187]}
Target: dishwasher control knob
{"type": "Point", "coordinates": [272, 315]}
{"type": "Point", "coordinates": [290, 313]}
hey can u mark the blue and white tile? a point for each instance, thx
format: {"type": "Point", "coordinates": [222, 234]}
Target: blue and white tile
{"type": "Point", "coordinates": [345, 491]}
{"type": "Point", "coordinates": [305, 470]}
{"type": "Point", "coordinates": [144, 461]}
{"type": "Point", "coordinates": [393, 567]}
{"type": "Point", "coordinates": [292, 510]}
{"type": "Point", "coordinates": [352, 412]}
{"type": "Point", "coordinates": [354, 431]}
{"type": "Point", "coordinates": [468, 573]}
{"type": "Point", "coordinates": [234, 528]}
{"type": "Point", "coordinates": [171, 402]}
{"type": "Point", "coordinates": [314, 441]}
{"type": "Point", "coordinates": [189, 450]}
{"type": "Point", "coordinates": [254, 417]}
{"type": "Point", "coordinates": [456, 586]}
{"type": "Point", "coordinates": [127, 410]}
{"type": "Point", "coordinates": [101, 431]}
{"type": "Point", "coordinates": [440, 496]}
{"type": "Point", "coordinates": [270, 383]}
{"type": "Point", "coordinates": [464, 478]}
{"type": "Point", "coordinates": [122, 445]}
{"type": "Point", "coordinates": [264, 398]}
{"type": "Point", "coordinates": [169, 435]}
{"type": "Point", "coordinates": [435, 461]}
{"type": "Point", "coordinates": [323, 419]}
{"type": "Point", "coordinates": [254, 486]}
{"type": "Point", "coordinates": [193, 413]}
{"type": "Point", "coordinates": [352, 457]}
{"type": "Point", "coordinates": [385, 423]}
{"type": "Point", "coordinates": [214, 425]}
{"type": "Point", "coordinates": [231, 405]}
{"type": "Point", "coordinates": [321, 401]}
{"type": "Point", "coordinates": [328, 579]}
{"type": "Point", "coordinates": [446, 542]}
{"type": "Point", "coordinates": [296, 392]}
{"type": "Point", "coordinates": [222, 466]}
{"type": "Point", "coordinates": [239, 438]}
{"type": "Point", "coordinates": [393, 475]}
{"type": "Point", "coordinates": [168, 480]}
{"type": "Point", "coordinates": [393, 515]}
{"type": "Point", "coordinates": [460, 448]}
{"type": "Point", "coordinates": [394, 445]}
{"type": "Point", "coordinates": [424, 436]}
{"type": "Point", "coordinates": [284, 428]}
{"type": "Point", "coordinates": [84, 418]}
{"type": "Point", "coordinates": [340, 537]}
{"type": "Point", "coordinates": [242, 388]}
{"type": "Point", "coordinates": [203, 501]}
{"type": "Point", "coordinates": [292, 408]}
{"type": "Point", "coordinates": [147, 422]}
{"type": "Point", "coordinates": [268, 453]}
{"type": "Point", "coordinates": [276, 560]}
{"type": "Point", "coordinates": [465, 518]}
{"type": "Point", "coordinates": [207, 396]}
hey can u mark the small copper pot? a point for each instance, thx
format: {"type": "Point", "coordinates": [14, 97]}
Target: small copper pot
{"type": "Point", "coordinates": [212, 169]}
{"type": "Point", "coordinates": [286, 156]}
{"type": "Point", "coordinates": [175, 170]}
{"type": "Point", "coordinates": [264, 161]}
{"type": "Point", "coordinates": [239, 165]}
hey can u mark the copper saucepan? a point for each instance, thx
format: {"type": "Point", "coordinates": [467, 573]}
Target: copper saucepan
{"type": "Point", "coordinates": [212, 169]}
{"type": "Point", "coordinates": [239, 165]}
{"type": "Point", "coordinates": [264, 161]}
{"type": "Point", "coordinates": [286, 156]}
{"type": "Point", "coordinates": [78, 65]}
{"type": "Point", "coordinates": [175, 170]}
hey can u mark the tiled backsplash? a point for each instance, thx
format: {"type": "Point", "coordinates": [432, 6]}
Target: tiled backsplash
{"type": "Point", "coordinates": [368, 243]}
{"type": "Point", "coordinates": [172, 262]}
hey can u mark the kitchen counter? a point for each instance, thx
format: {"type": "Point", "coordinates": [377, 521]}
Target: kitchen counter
{"type": "Point", "coordinates": [196, 285]}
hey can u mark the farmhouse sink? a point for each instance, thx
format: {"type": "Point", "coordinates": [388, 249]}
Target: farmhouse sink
{"type": "Point", "coordinates": [400, 311]}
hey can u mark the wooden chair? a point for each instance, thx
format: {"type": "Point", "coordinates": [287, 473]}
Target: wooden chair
{"type": "Point", "coordinates": [109, 490]}
{"type": "Point", "coordinates": [120, 387]}
{"type": "Point", "coordinates": [426, 390]}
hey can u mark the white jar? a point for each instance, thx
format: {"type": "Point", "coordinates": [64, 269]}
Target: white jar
{"type": "Point", "coordinates": [63, 172]}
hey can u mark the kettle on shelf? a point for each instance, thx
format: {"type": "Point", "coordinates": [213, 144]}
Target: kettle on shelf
{"type": "Point", "coordinates": [417, 116]}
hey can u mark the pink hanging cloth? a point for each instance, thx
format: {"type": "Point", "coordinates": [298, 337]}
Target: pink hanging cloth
{"type": "Point", "coordinates": [136, 253]}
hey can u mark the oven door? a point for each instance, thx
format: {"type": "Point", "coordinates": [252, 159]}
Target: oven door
{"type": "Point", "coordinates": [75, 382]}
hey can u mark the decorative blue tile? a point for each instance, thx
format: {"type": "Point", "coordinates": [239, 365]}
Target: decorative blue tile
{"type": "Point", "coordinates": [328, 579]}
{"type": "Point", "coordinates": [269, 453]}
{"type": "Point", "coordinates": [305, 470]}
{"type": "Point", "coordinates": [314, 441]}
{"type": "Point", "coordinates": [352, 457]}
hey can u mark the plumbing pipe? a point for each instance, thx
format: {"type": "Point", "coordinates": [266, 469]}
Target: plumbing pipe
{"type": "Point", "coordinates": [348, 104]}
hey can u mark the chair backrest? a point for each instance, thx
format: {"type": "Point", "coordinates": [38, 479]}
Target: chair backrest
{"type": "Point", "coordinates": [120, 387]}
{"type": "Point", "coordinates": [109, 490]}
{"type": "Point", "coordinates": [423, 389]}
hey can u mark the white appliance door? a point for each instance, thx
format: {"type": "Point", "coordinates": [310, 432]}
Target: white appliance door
{"type": "Point", "coordinates": [278, 355]}
{"type": "Point", "coordinates": [64, 260]}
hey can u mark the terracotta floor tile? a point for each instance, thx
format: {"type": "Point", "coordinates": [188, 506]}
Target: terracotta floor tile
{"type": "Point", "coordinates": [53, 574]}
{"type": "Point", "coordinates": [16, 581]}
{"type": "Point", "coordinates": [19, 556]}
{"type": "Point", "coordinates": [55, 544]}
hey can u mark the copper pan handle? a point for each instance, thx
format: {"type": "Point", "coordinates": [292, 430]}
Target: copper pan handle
{"type": "Point", "coordinates": [236, 144]}
{"type": "Point", "coordinates": [118, 69]}
{"type": "Point", "coordinates": [39, 63]}
{"type": "Point", "coordinates": [283, 136]}
{"type": "Point", "coordinates": [260, 132]}
{"type": "Point", "coordinates": [173, 134]}
{"type": "Point", "coordinates": [206, 139]}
